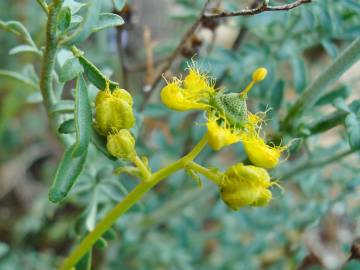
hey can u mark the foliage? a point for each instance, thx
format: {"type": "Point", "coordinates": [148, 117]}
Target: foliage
{"type": "Point", "coordinates": [180, 224]}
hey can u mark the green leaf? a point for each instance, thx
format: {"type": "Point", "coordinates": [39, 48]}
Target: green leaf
{"type": "Point", "coordinates": [24, 49]}
{"type": "Point", "coordinates": [18, 77]}
{"type": "Point", "coordinates": [63, 106]}
{"type": "Point", "coordinates": [66, 175]}
{"type": "Point", "coordinates": [68, 126]}
{"type": "Point", "coordinates": [70, 70]}
{"type": "Point", "coordinates": [100, 144]}
{"type": "Point", "coordinates": [92, 210]}
{"type": "Point", "coordinates": [330, 48]}
{"type": "Point", "coordinates": [108, 20]}
{"type": "Point", "coordinates": [277, 95]}
{"type": "Point", "coordinates": [73, 5]}
{"type": "Point", "coordinates": [85, 262]}
{"type": "Point", "coordinates": [18, 29]}
{"type": "Point", "coordinates": [110, 234]}
{"type": "Point", "coordinates": [309, 19]}
{"type": "Point", "coordinates": [83, 117]}
{"type": "Point", "coordinates": [64, 18]}
{"type": "Point", "coordinates": [299, 73]}
{"type": "Point", "coordinates": [341, 92]}
{"type": "Point", "coordinates": [94, 75]}
{"type": "Point", "coordinates": [119, 4]}
{"type": "Point", "coordinates": [85, 28]}
{"type": "Point", "coordinates": [352, 124]}
{"type": "Point", "coordinates": [101, 243]}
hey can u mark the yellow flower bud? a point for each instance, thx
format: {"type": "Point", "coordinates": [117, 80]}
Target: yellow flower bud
{"type": "Point", "coordinates": [178, 99]}
{"type": "Point", "coordinates": [259, 74]}
{"type": "Point", "coordinates": [261, 154]}
{"type": "Point", "coordinates": [263, 199]}
{"type": "Point", "coordinates": [247, 173]}
{"type": "Point", "coordinates": [113, 111]}
{"type": "Point", "coordinates": [240, 196]}
{"type": "Point", "coordinates": [219, 136]}
{"type": "Point", "coordinates": [245, 185]}
{"type": "Point", "coordinates": [121, 144]}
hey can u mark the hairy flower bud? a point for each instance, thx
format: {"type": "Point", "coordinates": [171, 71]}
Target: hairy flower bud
{"type": "Point", "coordinates": [261, 154]}
{"type": "Point", "coordinates": [121, 144]}
{"type": "Point", "coordinates": [245, 185]}
{"type": "Point", "coordinates": [113, 111]}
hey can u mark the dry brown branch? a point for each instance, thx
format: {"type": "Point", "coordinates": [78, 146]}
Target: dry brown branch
{"type": "Point", "coordinates": [246, 12]}
{"type": "Point", "coordinates": [253, 11]}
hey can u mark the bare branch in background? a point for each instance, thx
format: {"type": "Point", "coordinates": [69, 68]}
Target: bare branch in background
{"type": "Point", "coordinates": [253, 11]}
{"type": "Point", "coordinates": [202, 17]}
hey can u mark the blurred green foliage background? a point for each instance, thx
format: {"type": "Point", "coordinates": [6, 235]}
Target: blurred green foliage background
{"type": "Point", "coordinates": [312, 220]}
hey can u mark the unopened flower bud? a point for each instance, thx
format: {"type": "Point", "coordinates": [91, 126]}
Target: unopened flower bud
{"type": "Point", "coordinates": [121, 144]}
{"type": "Point", "coordinates": [113, 111]}
{"type": "Point", "coordinates": [245, 185]}
{"type": "Point", "coordinates": [259, 74]}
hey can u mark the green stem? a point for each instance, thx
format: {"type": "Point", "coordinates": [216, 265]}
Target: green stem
{"type": "Point", "coordinates": [314, 164]}
{"type": "Point", "coordinates": [216, 178]}
{"type": "Point", "coordinates": [141, 166]}
{"type": "Point", "coordinates": [132, 198]}
{"type": "Point", "coordinates": [49, 56]}
{"type": "Point", "coordinates": [43, 5]}
{"type": "Point", "coordinates": [317, 88]}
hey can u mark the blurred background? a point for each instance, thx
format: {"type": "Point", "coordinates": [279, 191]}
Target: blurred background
{"type": "Point", "coordinates": [313, 220]}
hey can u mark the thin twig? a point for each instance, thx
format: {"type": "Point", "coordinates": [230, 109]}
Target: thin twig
{"type": "Point", "coordinates": [194, 26]}
{"type": "Point", "coordinates": [172, 57]}
{"type": "Point", "coordinates": [257, 10]}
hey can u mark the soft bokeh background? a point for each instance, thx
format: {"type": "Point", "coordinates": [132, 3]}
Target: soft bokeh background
{"type": "Point", "coordinates": [183, 224]}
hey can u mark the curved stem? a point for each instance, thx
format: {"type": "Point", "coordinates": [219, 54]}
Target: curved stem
{"type": "Point", "coordinates": [132, 198]}
{"type": "Point", "coordinates": [205, 171]}
{"type": "Point", "coordinates": [141, 166]}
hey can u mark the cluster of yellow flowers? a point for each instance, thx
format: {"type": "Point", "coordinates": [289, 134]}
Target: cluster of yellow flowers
{"type": "Point", "coordinates": [229, 122]}
{"type": "Point", "coordinates": [113, 119]}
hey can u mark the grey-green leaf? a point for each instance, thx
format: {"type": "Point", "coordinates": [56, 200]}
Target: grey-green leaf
{"type": "Point", "coordinates": [340, 92]}
{"type": "Point", "coordinates": [70, 70]}
{"type": "Point", "coordinates": [67, 127]}
{"type": "Point", "coordinates": [108, 20]}
{"type": "Point", "coordinates": [83, 117]}
{"type": "Point", "coordinates": [299, 73]}
{"type": "Point", "coordinates": [64, 18]}
{"type": "Point", "coordinates": [24, 49]}
{"type": "Point", "coordinates": [18, 29]}
{"type": "Point", "coordinates": [119, 4]}
{"type": "Point", "coordinates": [85, 28]}
{"type": "Point", "coordinates": [277, 95]}
{"type": "Point", "coordinates": [18, 77]}
{"type": "Point", "coordinates": [67, 172]}
{"type": "Point", "coordinates": [352, 124]}
{"type": "Point", "coordinates": [94, 75]}
{"type": "Point", "coordinates": [100, 144]}
{"type": "Point", "coordinates": [330, 48]}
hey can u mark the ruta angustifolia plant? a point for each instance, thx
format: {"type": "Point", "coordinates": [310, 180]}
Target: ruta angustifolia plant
{"type": "Point", "coordinates": [108, 121]}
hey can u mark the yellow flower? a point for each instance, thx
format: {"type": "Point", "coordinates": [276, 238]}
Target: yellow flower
{"type": "Point", "coordinates": [121, 144]}
{"type": "Point", "coordinates": [191, 94]}
{"type": "Point", "coordinates": [195, 81]}
{"type": "Point", "coordinates": [220, 136]}
{"type": "Point", "coordinates": [245, 185]}
{"type": "Point", "coordinates": [180, 99]}
{"type": "Point", "coordinates": [260, 153]}
{"type": "Point", "coordinates": [113, 111]}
